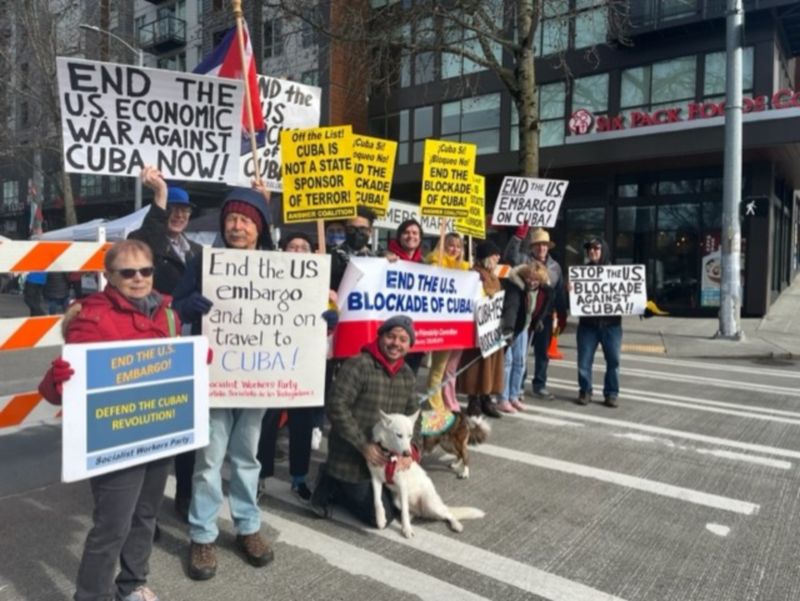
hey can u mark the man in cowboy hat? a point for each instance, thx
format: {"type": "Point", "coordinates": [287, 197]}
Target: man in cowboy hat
{"type": "Point", "coordinates": [523, 248]}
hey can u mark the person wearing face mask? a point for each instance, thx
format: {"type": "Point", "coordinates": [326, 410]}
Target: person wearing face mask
{"type": "Point", "coordinates": [522, 309]}
{"type": "Point", "coordinates": [358, 233]}
{"type": "Point", "coordinates": [335, 233]}
{"type": "Point", "coordinates": [484, 378]}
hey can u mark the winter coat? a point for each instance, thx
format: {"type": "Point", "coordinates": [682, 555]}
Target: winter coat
{"type": "Point", "coordinates": [56, 286]}
{"type": "Point", "coordinates": [108, 316]}
{"type": "Point", "coordinates": [601, 321]}
{"type": "Point", "coordinates": [514, 255]}
{"type": "Point", "coordinates": [168, 264]}
{"type": "Point", "coordinates": [517, 311]}
{"type": "Point", "coordinates": [363, 388]}
{"type": "Point", "coordinates": [340, 259]}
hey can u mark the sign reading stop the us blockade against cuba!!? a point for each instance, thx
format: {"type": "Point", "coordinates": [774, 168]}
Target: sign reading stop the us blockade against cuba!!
{"type": "Point", "coordinates": [604, 290]}
{"type": "Point", "coordinates": [447, 172]}
{"type": "Point", "coordinates": [527, 200]}
{"type": "Point", "coordinates": [133, 402]}
{"type": "Point", "coordinates": [266, 327]}
{"type": "Point", "coordinates": [116, 119]}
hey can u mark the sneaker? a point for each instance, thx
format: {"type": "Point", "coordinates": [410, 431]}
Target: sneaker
{"type": "Point", "coordinates": [518, 405]}
{"type": "Point", "coordinates": [611, 401]}
{"type": "Point", "coordinates": [202, 561]}
{"type": "Point", "coordinates": [584, 398]}
{"type": "Point", "coordinates": [255, 549]}
{"type": "Point", "coordinates": [316, 439]}
{"type": "Point", "coordinates": [506, 407]}
{"type": "Point", "coordinates": [544, 394]}
{"type": "Point", "coordinates": [141, 593]}
{"type": "Point", "coordinates": [301, 491]}
{"type": "Point", "coordinates": [489, 408]}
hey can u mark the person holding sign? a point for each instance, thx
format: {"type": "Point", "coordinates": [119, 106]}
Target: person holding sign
{"type": "Point", "coordinates": [244, 224]}
{"type": "Point", "coordinates": [523, 308]}
{"type": "Point", "coordinates": [126, 502]}
{"type": "Point", "coordinates": [603, 330]}
{"type": "Point", "coordinates": [537, 249]}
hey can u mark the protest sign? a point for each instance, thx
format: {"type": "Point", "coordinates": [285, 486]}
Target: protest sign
{"type": "Point", "coordinates": [116, 119]}
{"type": "Point", "coordinates": [266, 327]}
{"type": "Point", "coordinates": [488, 323]}
{"type": "Point", "coordinates": [131, 402]}
{"type": "Point", "coordinates": [317, 174]}
{"type": "Point", "coordinates": [598, 290]}
{"type": "Point", "coordinates": [373, 163]}
{"type": "Point", "coordinates": [447, 172]}
{"type": "Point", "coordinates": [529, 200]}
{"type": "Point", "coordinates": [474, 224]}
{"type": "Point", "coordinates": [400, 211]}
{"type": "Point", "coordinates": [440, 301]}
{"type": "Point", "coordinates": [287, 105]}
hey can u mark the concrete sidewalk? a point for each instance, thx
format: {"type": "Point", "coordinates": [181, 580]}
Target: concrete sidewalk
{"type": "Point", "coordinates": [776, 336]}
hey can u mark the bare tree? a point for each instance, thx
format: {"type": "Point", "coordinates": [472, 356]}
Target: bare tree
{"type": "Point", "coordinates": [478, 32]}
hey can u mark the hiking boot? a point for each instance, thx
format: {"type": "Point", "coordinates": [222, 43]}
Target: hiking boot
{"type": "Point", "coordinates": [611, 401]}
{"type": "Point", "coordinates": [543, 394]}
{"type": "Point", "coordinates": [255, 548]}
{"type": "Point", "coordinates": [202, 561]}
{"type": "Point", "coordinates": [584, 398]}
{"type": "Point", "coordinates": [489, 408]}
{"type": "Point", "coordinates": [141, 593]}
{"type": "Point", "coordinates": [301, 491]}
{"type": "Point", "coordinates": [473, 406]}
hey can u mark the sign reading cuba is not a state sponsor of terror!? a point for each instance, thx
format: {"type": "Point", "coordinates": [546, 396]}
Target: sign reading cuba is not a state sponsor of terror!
{"type": "Point", "coordinates": [132, 402]}
{"type": "Point", "coordinates": [441, 302]}
{"type": "Point", "coordinates": [605, 290]}
{"type": "Point", "coordinates": [447, 171]}
{"type": "Point", "coordinates": [317, 167]}
{"type": "Point", "coordinates": [527, 200]}
{"type": "Point", "coordinates": [266, 327]}
{"type": "Point", "coordinates": [116, 119]}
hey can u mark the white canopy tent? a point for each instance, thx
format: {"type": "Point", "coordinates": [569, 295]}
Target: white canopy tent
{"type": "Point", "coordinates": [116, 229]}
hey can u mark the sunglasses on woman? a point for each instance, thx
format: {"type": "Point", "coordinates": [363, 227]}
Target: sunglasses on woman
{"type": "Point", "coordinates": [128, 274]}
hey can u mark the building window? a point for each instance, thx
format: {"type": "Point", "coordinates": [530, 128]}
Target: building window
{"type": "Point", "coordinates": [10, 195]}
{"type": "Point", "coordinates": [176, 62]}
{"type": "Point", "coordinates": [91, 185]}
{"type": "Point", "coordinates": [666, 83]}
{"type": "Point", "coordinates": [423, 128]}
{"type": "Point", "coordinates": [677, 9]}
{"type": "Point", "coordinates": [475, 120]}
{"type": "Point", "coordinates": [591, 23]}
{"type": "Point", "coordinates": [591, 93]}
{"type": "Point", "coordinates": [714, 82]}
{"type": "Point", "coordinates": [308, 34]}
{"type": "Point", "coordinates": [456, 65]}
{"type": "Point", "coordinates": [24, 114]}
{"type": "Point", "coordinates": [552, 101]}
{"type": "Point", "coordinates": [310, 78]}
{"type": "Point", "coordinates": [577, 24]}
{"type": "Point", "coordinates": [273, 38]}
{"type": "Point", "coordinates": [117, 185]}
{"type": "Point", "coordinates": [393, 127]}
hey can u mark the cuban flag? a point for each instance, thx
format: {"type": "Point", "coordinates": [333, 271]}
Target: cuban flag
{"type": "Point", "coordinates": [225, 61]}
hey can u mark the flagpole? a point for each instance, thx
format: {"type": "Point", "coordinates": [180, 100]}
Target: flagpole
{"type": "Point", "coordinates": [237, 13]}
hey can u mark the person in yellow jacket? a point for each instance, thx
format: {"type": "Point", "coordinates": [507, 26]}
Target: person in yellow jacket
{"type": "Point", "coordinates": [444, 364]}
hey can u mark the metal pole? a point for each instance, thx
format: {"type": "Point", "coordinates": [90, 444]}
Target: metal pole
{"type": "Point", "coordinates": [137, 199]}
{"type": "Point", "coordinates": [730, 287]}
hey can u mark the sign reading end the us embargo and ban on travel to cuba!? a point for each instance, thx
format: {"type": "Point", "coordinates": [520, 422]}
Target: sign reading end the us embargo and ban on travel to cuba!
{"type": "Point", "coordinates": [266, 327]}
{"type": "Point", "coordinates": [526, 200]}
{"type": "Point", "coordinates": [286, 105]}
{"type": "Point", "coordinates": [317, 167]}
{"type": "Point", "coordinates": [447, 172]}
{"type": "Point", "coordinates": [116, 119]}
{"type": "Point", "coordinates": [604, 290]}
{"type": "Point", "coordinates": [488, 323]}
{"type": "Point", "coordinates": [441, 302]}
{"type": "Point", "coordinates": [131, 402]}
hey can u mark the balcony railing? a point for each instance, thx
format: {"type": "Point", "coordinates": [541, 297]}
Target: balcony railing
{"type": "Point", "coordinates": [162, 35]}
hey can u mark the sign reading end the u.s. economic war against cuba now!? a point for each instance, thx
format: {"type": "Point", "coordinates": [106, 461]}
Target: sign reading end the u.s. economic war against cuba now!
{"type": "Point", "coordinates": [116, 119]}
{"type": "Point", "coordinates": [447, 172]}
{"type": "Point", "coordinates": [266, 327]}
{"type": "Point", "coordinates": [133, 402]}
{"type": "Point", "coordinates": [604, 290]}
{"type": "Point", "coordinates": [317, 168]}
{"type": "Point", "coordinates": [529, 200]}
{"type": "Point", "coordinates": [441, 302]}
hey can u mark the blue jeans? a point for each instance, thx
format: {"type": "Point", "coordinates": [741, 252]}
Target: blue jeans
{"type": "Point", "coordinates": [610, 339]}
{"type": "Point", "coordinates": [514, 367]}
{"type": "Point", "coordinates": [541, 342]}
{"type": "Point", "coordinates": [235, 432]}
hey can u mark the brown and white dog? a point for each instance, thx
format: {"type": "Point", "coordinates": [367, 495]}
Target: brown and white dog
{"type": "Point", "coordinates": [466, 430]}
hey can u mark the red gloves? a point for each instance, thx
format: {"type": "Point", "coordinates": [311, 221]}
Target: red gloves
{"type": "Point", "coordinates": [522, 231]}
{"type": "Point", "coordinates": [62, 371]}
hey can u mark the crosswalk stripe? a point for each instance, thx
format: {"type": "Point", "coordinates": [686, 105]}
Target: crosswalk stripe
{"type": "Point", "coordinates": [651, 486]}
{"type": "Point", "coordinates": [739, 369]}
{"type": "Point", "coordinates": [481, 561]}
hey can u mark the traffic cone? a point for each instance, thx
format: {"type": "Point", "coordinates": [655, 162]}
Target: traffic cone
{"type": "Point", "coordinates": [552, 350]}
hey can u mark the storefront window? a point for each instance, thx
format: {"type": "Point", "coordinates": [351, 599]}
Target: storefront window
{"type": "Point", "coordinates": [635, 226]}
{"type": "Point", "coordinates": [677, 284]}
{"type": "Point", "coordinates": [582, 224]}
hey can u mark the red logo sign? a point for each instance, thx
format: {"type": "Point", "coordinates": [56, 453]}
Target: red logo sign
{"type": "Point", "coordinates": [581, 122]}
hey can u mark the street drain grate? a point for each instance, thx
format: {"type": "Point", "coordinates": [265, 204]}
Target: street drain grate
{"type": "Point", "coordinates": [656, 349]}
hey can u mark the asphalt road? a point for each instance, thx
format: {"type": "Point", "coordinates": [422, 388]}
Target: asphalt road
{"type": "Point", "coordinates": [687, 492]}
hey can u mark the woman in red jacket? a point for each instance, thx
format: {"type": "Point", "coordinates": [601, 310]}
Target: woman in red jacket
{"type": "Point", "coordinates": [126, 502]}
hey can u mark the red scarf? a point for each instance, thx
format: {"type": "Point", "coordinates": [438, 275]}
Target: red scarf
{"type": "Point", "coordinates": [402, 253]}
{"type": "Point", "coordinates": [391, 368]}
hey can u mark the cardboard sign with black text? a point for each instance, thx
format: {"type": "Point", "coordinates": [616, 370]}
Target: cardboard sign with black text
{"type": "Point", "coordinates": [605, 290]}
{"type": "Point", "coordinates": [488, 323]}
{"type": "Point", "coordinates": [529, 200]}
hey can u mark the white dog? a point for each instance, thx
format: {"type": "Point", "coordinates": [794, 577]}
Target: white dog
{"type": "Point", "coordinates": [412, 489]}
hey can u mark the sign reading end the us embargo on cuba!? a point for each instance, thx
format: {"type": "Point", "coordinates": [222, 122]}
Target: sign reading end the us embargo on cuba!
{"type": "Point", "coordinates": [116, 119]}
{"type": "Point", "coordinates": [605, 290]}
{"type": "Point", "coordinates": [527, 200]}
{"type": "Point", "coordinates": [447, 172]}
{"type": "Point", "coordinates": [133, 402]}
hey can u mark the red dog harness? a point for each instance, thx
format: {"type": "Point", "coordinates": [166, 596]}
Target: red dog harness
{"type": "Point", "coordinates": [391, 462]}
